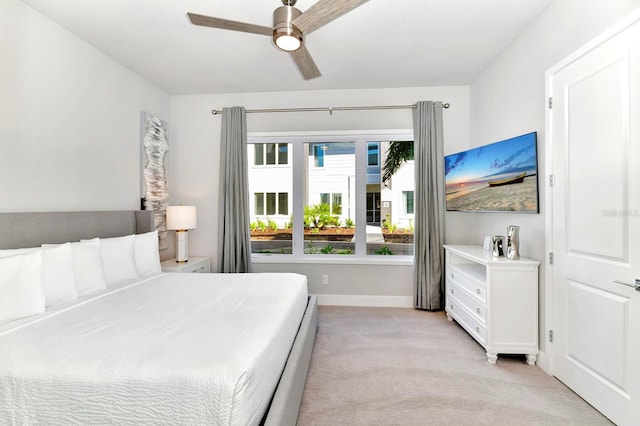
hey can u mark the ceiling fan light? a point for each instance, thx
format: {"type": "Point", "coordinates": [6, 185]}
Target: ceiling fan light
{"type": "Point", "coordinates": [288, 42]}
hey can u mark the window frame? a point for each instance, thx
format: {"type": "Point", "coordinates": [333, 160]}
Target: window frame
{"type": "Point", "coordinates": [297, 141]}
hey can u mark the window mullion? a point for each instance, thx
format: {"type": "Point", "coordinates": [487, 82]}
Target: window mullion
{"type": "Point", "coordinates": [299, 180]}
{"type": "Point", "coordinates": [361, 197]}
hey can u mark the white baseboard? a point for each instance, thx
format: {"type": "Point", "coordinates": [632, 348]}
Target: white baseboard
{"type": "Point", "coordinates": [365, 300]}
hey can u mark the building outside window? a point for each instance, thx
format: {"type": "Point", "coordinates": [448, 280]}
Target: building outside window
{"type": "Point", "coordinates": [277, 203]}
{"type": "Point", "coordinates": [318, 154]}
{"type": "Point", "coordinates": [270, 154]}
{"type": "Point", "coordinates": [336, 204]}
{"type": "Point", "coordinates": [408, 201]}
{"type": "Point", "coordinates": [283, 203]}
{"type": "Point", "coordinates": [373, 154]}
{"type": "Point", "coordinates": [334, 201]}
{"type": "Point", "coordinates": [258, 205]}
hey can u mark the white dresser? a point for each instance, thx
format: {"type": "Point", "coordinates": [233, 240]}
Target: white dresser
{"type": "Point", "coordinates": [494, 299]}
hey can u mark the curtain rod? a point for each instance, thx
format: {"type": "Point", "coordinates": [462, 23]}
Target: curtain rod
{"type": "Point", "coordinates": [328, 109]}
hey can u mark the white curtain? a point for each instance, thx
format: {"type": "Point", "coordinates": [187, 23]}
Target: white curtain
{"type": "Point", "coordinates": [429, 206]}
{"type": "Point", "coordinates": [235, 241]}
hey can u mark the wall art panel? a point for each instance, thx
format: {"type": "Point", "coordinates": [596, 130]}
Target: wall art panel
{"type": "Point", "coordinates": [155, 165]}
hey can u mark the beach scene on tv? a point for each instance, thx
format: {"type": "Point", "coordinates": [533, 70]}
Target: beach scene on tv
{"type": "Point", "coordinates": [501, 177]}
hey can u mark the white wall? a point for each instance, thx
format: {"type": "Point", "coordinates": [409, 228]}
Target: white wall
{"type": "Point", "coordinates": [194, 163]}
{"type": "Point", "coordinates": [69, 119]}
{"type": "Point", "coordinates": [508, 99]}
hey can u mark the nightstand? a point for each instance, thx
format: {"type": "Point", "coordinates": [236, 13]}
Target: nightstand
{"type": "Point", "coordinates": [195, 264]}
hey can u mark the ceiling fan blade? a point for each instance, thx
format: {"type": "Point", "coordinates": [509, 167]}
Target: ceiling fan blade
{"type": "Point", "coordinates": [225, 24]}
{"type": "Point", "coordinates": [305, 63]}
{"type": "Point", "coordinates": [323, 12]}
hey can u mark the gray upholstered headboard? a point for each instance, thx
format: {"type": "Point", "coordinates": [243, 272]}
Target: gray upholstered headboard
{"type": "Point", "coordinates": [18, 230]}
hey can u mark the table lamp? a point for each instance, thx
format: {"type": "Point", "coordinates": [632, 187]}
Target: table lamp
{"type": "Point", "coordinates": [181, 219]}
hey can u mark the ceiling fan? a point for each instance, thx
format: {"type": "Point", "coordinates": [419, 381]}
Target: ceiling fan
{"type": "Point", "coordinates": [290, 26]}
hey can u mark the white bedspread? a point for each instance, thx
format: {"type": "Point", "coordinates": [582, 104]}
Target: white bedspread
{"type": "Point", "coordinates": [173, 349]}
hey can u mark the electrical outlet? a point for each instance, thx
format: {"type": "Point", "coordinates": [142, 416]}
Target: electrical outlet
{"type": "Point", "coordinates": [325, 279]}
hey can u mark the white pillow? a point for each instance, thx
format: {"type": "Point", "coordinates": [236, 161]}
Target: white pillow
{"type": "Point", "coordinates": [58, 277]}
{"type": "Point", "coordinates": [87, 267]}
{"type": "Point", "coordinates": [21, 291]}
{"type": "Point", "coordinates": [147, 255]}
{"type": "Point", "coordinates": [118, 259]}
{"type": "Point", "coordinates": [14, 252]}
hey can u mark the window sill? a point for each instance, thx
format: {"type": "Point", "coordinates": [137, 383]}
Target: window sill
{"type": "Point", "coordinates": [334, 259]}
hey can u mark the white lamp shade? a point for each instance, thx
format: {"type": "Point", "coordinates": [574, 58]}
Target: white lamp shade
{"type": "Point", "coordinates": [181, 217]}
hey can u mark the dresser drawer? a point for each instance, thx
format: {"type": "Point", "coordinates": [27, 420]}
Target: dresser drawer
{"type": "Point", "coordinates": [458, 311]}
{"type": "Point", "coordinates": [475, 288]}
{"type": "Point", "coordinates": [464, 297]}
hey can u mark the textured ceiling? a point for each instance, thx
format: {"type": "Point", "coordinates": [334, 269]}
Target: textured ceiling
{"type": "Point", "coordinates": [383, 43]}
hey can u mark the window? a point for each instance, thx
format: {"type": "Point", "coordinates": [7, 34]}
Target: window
{"type": "Point", "coordinates": [336, 204]}
{"type": "Point", "coordinates": [271, 182]}
{"type": "Point", "coordinates": [396, 206]}
{"type": "Point", "coordinates": [334, 201]}
{"type": "Point", "coordinates": [373, 154]}
{"type": "Point", "coordinates": [283, 203]}
{"type": "Point", "coordinates": [324, 230]}
{"type": "Point", "coordinates": [270, 154]}
{"type": "Point", "coordinates": [271, 203]}
{"type": "Point", "coordinates": [318, 155]}
{"type": "Point", "coordinates": [408, 201]}
{"type": "Point", "coordinates": [283, 153]}
{"type": "Point", "coordinates": [259, 203]}
{"type": "Point", "coordinates": [258, 157]}
{"type": "Point", "coordinates": [326, 198]}
{"type": "Point", "coordinates": [277, 203]}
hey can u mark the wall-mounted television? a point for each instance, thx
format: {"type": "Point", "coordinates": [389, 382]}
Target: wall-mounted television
{"type": "Point", "coordinates": [499, 177]}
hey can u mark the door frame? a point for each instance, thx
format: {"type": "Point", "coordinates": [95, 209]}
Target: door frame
{"type": "Point", "coordinates": [545, 362]}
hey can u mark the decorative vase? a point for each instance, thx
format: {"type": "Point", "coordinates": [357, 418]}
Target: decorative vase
{"type": "Point", "coordinates": [513, 242]}
{"type": "Point", "coordinates": [496, 244]}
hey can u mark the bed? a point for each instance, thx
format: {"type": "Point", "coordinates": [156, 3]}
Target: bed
{"type": "Point", "coordinates": [161, 348]}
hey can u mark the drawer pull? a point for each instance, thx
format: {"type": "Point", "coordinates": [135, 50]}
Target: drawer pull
{"type": "Point", "coordinates": [477, 329]}
{"type": "Point", "coordinates": [478, 310]}
{"type": "Point", "coordinates": [452, 292]}
{"type": "Point", "coordinates": [477, 290]}
{"type": "Point", "coordinates": [451, 306]}
{"type": "Point", "coordinates": [453, 275]}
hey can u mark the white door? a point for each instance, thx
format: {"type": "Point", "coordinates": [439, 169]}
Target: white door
{"type": "Point", "coordinates": [595, 149]}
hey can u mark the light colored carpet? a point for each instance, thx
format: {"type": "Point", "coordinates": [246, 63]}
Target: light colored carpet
{"type": "Point", "coordinates": [393, 366]}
